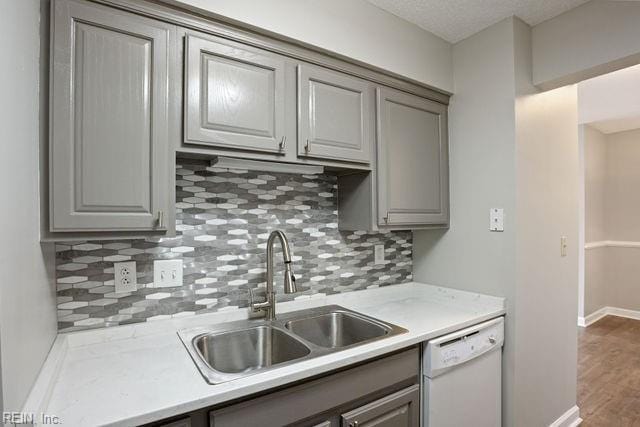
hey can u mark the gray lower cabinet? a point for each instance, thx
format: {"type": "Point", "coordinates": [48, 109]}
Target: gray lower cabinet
{"type": "Point", "coordinates": [108, 150]}
{"type": "Point", "coordinates": [183, 422]}
{"type": "Point", "coordinates": [234, 96]}
{"type": "Point", "coordinates": [398, 409]}
{"type": "Point", "coordinates": [335, 115]}
{"type": "Point", "coordinates": [412, 168]}
{"type": "Point", "coordinates": [384, 392]}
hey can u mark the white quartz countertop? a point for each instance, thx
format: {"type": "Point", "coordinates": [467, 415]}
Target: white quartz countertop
{"type": "Point", "coordinates": [135, 374]}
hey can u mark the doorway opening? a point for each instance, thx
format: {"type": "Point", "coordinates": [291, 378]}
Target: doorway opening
{"type": "Point", "coordinates": [609, 248]}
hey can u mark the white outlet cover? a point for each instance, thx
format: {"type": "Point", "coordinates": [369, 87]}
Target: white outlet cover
{"type": "Point", "coordinates": [496, 219]}
{"type": "Point", "coordinates": [167, 273]}
{"type": "Point", "coordinates": [125, 278]}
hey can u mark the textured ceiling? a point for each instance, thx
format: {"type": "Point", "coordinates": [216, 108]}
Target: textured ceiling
{"type": "Point", "coordinates": [454, 20]}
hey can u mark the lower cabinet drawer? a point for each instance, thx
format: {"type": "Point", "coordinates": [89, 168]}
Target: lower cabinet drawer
{"type": "Point", "coordinates": [400, 409]}
{"type": "Point", "coordinates": [183, 422]}
{"type": "Point", "coordinates": [323, 400]}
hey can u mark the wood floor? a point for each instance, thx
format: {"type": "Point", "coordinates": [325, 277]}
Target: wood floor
{"type": "Point", "coordinates": [609, 373]}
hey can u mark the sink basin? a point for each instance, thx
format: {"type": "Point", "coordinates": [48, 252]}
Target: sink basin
{"type": "Point", "coordinates": [229, 351]}
{"type": "Point", "coordinates": [336, 329]}
{"type": "Point", "coordinates": [248, 349]}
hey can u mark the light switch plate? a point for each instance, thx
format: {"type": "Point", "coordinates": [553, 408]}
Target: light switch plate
{"type": "Point", "coordinates": [167, 273]}
{"type": "Point", "coordinates": [378, 254]}
{"type": "Point", "coordinates": [125, 279]}
{"type": "Point", "coordinates": [496, 219]}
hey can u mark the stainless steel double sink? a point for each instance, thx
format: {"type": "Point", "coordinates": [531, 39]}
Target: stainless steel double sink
{"type": "Point", "coordinates": [235, 350]}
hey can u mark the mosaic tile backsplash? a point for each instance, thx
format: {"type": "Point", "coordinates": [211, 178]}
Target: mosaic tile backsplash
{"type": "Point", "coordinates": [224, 217]}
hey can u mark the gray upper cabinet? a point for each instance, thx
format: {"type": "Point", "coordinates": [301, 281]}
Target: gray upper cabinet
{"type": "Point", "coordinates": [413, 169]}
{"type": "Point", "coordinates": [234, 96]}
{"type": "Point", "coordinates": [109, 150]}
{"type": "Point", "coordinates": [129, 91]}
{"type": "Point", "coordinates": [335, 115]}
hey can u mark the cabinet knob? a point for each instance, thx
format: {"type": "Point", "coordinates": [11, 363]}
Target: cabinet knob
{"type": "Point", "coordinates": [283, 143]}
{"type": "Point", "coordinates": [307, 147]}
{"type": "Point", "coordinates": [161, 219]}
{"type": "Point", "coordinates": [353, 424]}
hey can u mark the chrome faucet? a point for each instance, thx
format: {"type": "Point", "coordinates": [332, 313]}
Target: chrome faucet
{"type": "Point", "coordinates": [269, 306]}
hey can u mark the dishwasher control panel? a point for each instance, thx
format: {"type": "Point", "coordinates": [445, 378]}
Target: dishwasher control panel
{"type": "Point", "coordinates": [446, 352]}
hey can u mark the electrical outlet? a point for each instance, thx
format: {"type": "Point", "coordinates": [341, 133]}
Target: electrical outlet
{"type": "Point", "coordinates": [167, 273]}
{"type": "Point", "coordinates": [378, 254]}
{"type": "Point", "coordinates": [125, 276]}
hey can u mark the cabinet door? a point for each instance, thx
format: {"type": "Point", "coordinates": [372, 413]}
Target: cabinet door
{"type": "Point", "coordinates": [335, 115]}
{"type": "Point", "coordinates": [109, 119]}
{"type": "Point", "coordinates": [401, 409]}
{"type": "Point", "coordinates": [413, 169]}
{"type": "Point", "coordinates": [234, 96]}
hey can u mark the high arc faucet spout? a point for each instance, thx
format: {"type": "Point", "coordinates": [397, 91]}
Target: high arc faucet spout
{"type": "Point", "coordinates": [269, 306]}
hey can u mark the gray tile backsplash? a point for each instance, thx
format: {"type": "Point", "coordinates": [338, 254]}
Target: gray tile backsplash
{"type": "Point", "coordinates": [223, 220]}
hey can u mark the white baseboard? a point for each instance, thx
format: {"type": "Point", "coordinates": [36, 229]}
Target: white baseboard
{"type": "Point", "coordinates": [622, 312]}
{"type": "Point", "coordinates": [593, 317]}
{"type": "Point", "coordinates": [571, 418]}
{"type": "Point", "coordinates": [608, 311]}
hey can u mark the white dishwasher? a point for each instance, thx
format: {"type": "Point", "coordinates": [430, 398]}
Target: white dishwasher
{"type": "Point", "coordinates": [462, 377]}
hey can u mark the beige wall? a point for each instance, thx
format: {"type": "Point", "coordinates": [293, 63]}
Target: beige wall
{"type": "Point", "coordinates": [595, 171]}
{"type": "Point", "coordinates": [27, 297]}
{"type": "Point", "coordinates": [354, 28]}
{"type": "Point", "coordinates": [595, 164]}
{"type": "Point", "coordinates": [622, 202]}
{"type": "Point", "coordinates": [597, 293]}
{"type": "Point", "coordinates": [546, 283]}
{"type": "Point", "coordinates": [501, 135]}
{"type": "Point", "coordinates": [593, 39]}
{"type": "Point", "coordinates": [622, 270]}
{"type": "Point", "coordinates": [611, 279]}
{"type": "Point", "coordinates": [612, 212]}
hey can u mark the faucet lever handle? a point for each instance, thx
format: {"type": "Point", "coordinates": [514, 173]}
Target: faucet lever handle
{"type": "Point", "coordinates": [257, 306]}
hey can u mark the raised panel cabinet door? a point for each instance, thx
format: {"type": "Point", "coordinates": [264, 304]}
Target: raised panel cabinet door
{"type": "Point", "coordinates": [234, 96]}
{"type": "Point", "coordinates": [335, 115]}
{"type": "Point", "coordinates": [109, 153]}
{"type": "Point", "coordinates": [413, 165]}
{"type": "Point", "coordinates": [400, 409]}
